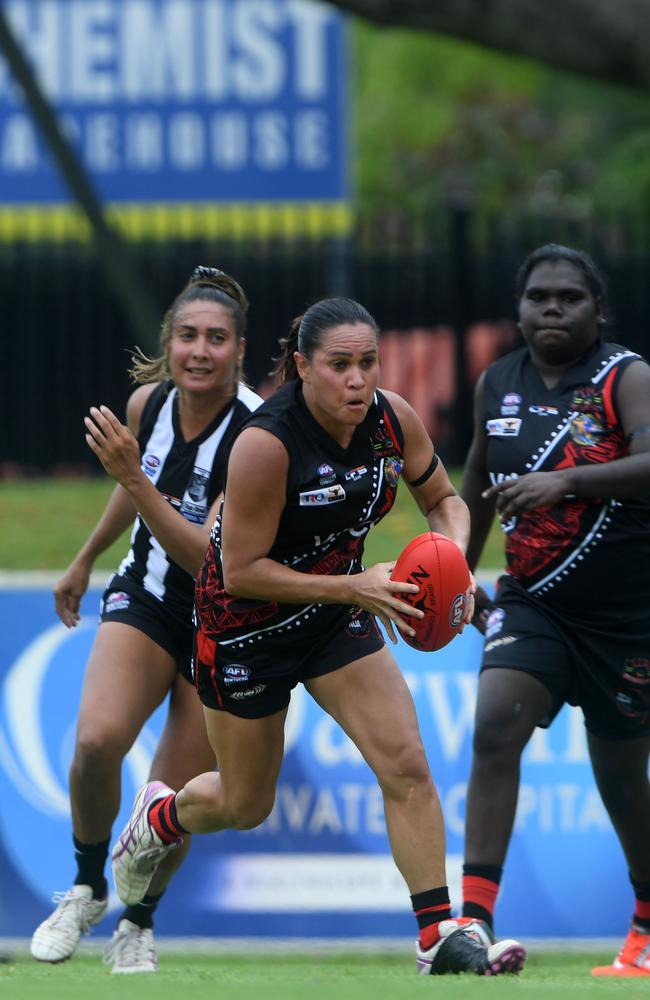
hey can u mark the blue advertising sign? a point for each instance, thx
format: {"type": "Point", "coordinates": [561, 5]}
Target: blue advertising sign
{"type": "Point", "coordinates": [320, 864]}
{"type": "Point", "coordinates": [181, 100]}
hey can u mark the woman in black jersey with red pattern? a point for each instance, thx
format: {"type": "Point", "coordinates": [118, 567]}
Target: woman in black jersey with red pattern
{"type": "Point", "coordinates": [561, 451]}
{"type": "Point", "coordinates": [169, 463]}
{"type": "Point", "coordinates": [283, 598]}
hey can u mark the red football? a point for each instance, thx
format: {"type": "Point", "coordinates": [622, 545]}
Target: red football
{"type": "Point", "coordinates": [438, 566]}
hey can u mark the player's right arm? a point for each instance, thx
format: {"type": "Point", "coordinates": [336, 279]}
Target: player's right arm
{"type": "Point", "coordinates": [254, 502]}
{"type": "Point", "coordinates": [475, 481]}
{"type": "Point", "coordinates": [118, 514]}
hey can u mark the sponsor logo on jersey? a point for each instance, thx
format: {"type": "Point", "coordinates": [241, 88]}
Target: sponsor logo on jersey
{"type": "Point", "coordinates": [494, 623]}
{"type": "Point", "coordinates": [392, 469]}
{"type": "Point", "coordinates": [457, 610]}
{"type": "Point", "coordinates": [235, 673]}
{"type": "Point", "coordinates": [510, 404]}
{"type": "Point", "coordinates": [586, 430]}
{"type": "Point", "coordinates": [194, 506]}
{"type": "Point", "coordinates": [503, 427]}
{"type": "Point", "coordinates": [149, 464]}
{"type": "Point", "coordinates": [357, 473]}
{"type": "Point", "coordinates": [320, 498]}
{"type": "Point", "coordinates": [249, 692]}
{"type": "Point", "coordinates": [544, 411]}
{"type": "Point", "coordinates": [502, 640]}
{"type": "Point", "coordinates": [118, 601]}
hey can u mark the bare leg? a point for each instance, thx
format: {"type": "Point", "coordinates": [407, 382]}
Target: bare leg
{"type": "Point", "coordinates": [510, 704]}
{"type": "Point", "coordinates": [621, 772]}
{"type": "Point", "coordinates": [242, 793]}
{"type": "Point", "coordinates": [183, 751]}
{"type": "Point", "coordinates": [127, 677]}
{"type": "Point", "coordinates": [373, 705]}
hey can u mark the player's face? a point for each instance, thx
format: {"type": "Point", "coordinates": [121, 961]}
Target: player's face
{"type": "Point", "coordinates": [339, 381]}
{"type": "Point", "coordinates": [204, 353]}
{"type": "Point", "coordinates": [558, 314]}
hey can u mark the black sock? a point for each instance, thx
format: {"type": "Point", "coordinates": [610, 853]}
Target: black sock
{"type": "Point", "coordinates": [142, 913]}
{"type": "Point", "coordinates": [430, 907]}
{"type": "Point", "coordinates": [91, 859]}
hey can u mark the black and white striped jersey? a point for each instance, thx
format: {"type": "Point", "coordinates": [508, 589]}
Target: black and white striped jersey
{"type": "Point", "coordinates": [190, 475]}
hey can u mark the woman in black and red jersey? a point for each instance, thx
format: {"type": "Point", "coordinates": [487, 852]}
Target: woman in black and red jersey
{"type": "Point", "coordinates": [283, 599]}
{"type": "Point", "coordinates": [561, 451]}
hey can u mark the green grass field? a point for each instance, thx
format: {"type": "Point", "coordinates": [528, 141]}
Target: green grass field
{"type": "Point", "coordinates": [555, 975]}
{"type": "Point", "coordinates": [45, 522]}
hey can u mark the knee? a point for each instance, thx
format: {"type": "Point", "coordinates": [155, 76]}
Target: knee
{"type": "Point", "coordinates": [405, 772]}
{"type": "Point", "coordinates": [497, 737]}
{"type": "Point", "coordinates": [97, 750]}
{"type": "Point", "coordinates": [247, 812]}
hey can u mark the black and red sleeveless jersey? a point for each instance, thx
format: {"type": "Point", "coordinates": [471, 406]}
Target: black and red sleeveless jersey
{"type": "Point", "coordinates": [582, 556]}
{"type": "Point", "coordinates": [334, 496]}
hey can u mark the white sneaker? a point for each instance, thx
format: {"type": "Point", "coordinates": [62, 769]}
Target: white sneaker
{"type": "Point", "coordinates": [131, 949]}
{"type": "Point", "coordinates": [139, 850]}
{"type": "Point", "coordinates": [57, 937]}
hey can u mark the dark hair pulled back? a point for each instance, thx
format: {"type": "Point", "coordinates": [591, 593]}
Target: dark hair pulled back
{"type": "Point", "coordinates": [206, 284]}
{"type": "Point", "coordinates": [308, 331]}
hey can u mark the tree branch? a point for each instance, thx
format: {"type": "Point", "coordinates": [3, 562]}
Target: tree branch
{"type": "Point", "coordinates": [607, 40]}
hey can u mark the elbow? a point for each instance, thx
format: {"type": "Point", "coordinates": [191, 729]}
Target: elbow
{"type": "Point", "coordinates": [234, 580]}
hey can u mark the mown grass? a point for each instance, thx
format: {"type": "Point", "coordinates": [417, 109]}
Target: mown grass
{"type": "Point", "coordinates": [281, 976]}
{"type": "Point", "coordinates": [45, 522]}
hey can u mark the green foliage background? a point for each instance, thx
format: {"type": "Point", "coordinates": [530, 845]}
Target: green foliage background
{"type": "Point", "coordinates": [438, 120]}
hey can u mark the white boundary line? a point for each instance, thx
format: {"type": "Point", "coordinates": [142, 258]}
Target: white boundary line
{"type": "Point", "coordinates": [313, 946]}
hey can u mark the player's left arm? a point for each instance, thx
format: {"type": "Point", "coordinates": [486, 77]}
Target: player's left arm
{"type": "Point", "coordinates": [622, 478]}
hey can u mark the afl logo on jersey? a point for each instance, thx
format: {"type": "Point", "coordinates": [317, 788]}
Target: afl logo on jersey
{"type": "Point", "coordinates": [510, 404]}
{"type": "Point", "coordinates": [326, 473]}
{"type": "Point", "coordinates": [320, 498]}
{"type": "Point", "coordinates": [150, 464]}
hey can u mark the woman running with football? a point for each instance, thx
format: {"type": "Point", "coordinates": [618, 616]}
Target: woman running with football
{"type": "Point", "coordinates": [561, 451]}
{"type": "Point", "coordinates": [283, 599]}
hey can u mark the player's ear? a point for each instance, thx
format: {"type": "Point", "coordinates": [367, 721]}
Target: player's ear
{"type": "Point", "coordinates": [303, 366]}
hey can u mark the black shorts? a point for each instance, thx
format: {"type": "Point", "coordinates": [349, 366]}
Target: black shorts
{"type": "Point", "coordinates": [255, 681]}
{"type": "Point", "coordinates": [144, 612]}
{"type": "Point", "coordinates": [605, 671]}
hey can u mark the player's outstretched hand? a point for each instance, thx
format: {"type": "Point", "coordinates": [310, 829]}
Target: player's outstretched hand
{"type": "Point", "coordinates": [378, 594]}
{"type": "Point", "coordinates": [69, 590]}
{"type": "Point", "coordinates": [113, 443]}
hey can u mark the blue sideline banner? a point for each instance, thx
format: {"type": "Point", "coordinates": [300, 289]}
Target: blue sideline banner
{"type": "Point", "coordinates": [320, 865]}
{"type": "Point", "coordinates": [181, 100]}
